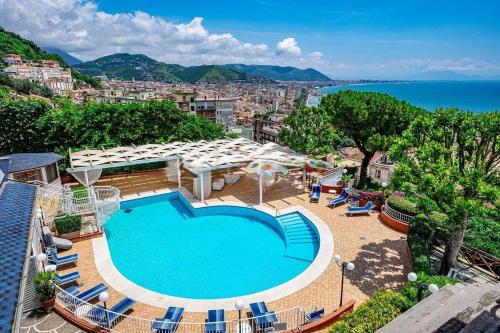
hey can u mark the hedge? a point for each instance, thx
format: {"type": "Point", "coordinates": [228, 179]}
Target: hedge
{"type": "Point", "coordinates": [377, 311]}
{"type": "Point", "coordinates": [383, 306]}
{"type": "Point", "coordinates": [402, 205]}
{"type": "Point", "coordinates": [66, 224]}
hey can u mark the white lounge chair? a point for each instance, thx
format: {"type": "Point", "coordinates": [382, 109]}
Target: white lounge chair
{"type": "Point", "coordinates": [51, 241]}
{"type": "Point", "coordinates": [218, 185]}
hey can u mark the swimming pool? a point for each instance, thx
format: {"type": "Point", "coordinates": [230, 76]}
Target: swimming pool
{"type": "Point", "coordinates": [163, 244]}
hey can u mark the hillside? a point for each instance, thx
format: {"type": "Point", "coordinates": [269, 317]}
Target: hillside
{"type": "Point", "coordinates": [280, 73]}
{"type": "Point", "coordinates": [28, 50]}
{"type": "Point", "coordinates": [70, 60]}
{"type": "Point", "coordinates": [124, 66]}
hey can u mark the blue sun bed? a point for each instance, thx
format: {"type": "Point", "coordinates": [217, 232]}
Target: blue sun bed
{"type": "Point", "coordinates": [170, 321]}
{"type": "Point", "coordinates": [315, 193]}
{"type": "Point", "coordinates": [215, 323]}
{"type": "Point", "coordinates": [98, 315]}
{"type": "Point", "coordinates": [342, 198]}
{"type": "Point", "coordinates": [59, 261]}
{"type": "Point", "coordinates": [315, 315]}
{"type": "Point", "coordinates": [65, 279]}
{"type": "Point", "coordinates": [360, 210]}
{"type": "Point", "coordinates": [263, 318]}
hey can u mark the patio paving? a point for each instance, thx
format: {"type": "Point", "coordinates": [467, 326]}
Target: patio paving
{"type": "Point", "coordinates": [378, 252]}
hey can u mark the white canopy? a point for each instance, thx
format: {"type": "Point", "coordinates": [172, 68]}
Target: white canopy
{"type": "Point", "coordinates": [197, 156]}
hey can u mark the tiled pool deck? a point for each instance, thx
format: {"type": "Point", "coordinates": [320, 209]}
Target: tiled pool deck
{"type": "Point", "coordinates": [379, 253]}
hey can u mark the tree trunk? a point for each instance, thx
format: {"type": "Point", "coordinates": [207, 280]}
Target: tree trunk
{"type": "Point", "coordinates": [363, 171]}
{"type": "Point", "coordinates": [452, 248]}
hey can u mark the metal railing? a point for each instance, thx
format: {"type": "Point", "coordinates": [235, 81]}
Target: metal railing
{"type": "Point", "coordinates": [101, 200]}
{"type": "Point", "coordinates": [396, 215]}
{"type": "Point", "coordinates": [96, 316]}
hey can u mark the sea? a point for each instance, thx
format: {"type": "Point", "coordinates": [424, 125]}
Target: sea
{"type": "Point", "coordinates": [475, 96]}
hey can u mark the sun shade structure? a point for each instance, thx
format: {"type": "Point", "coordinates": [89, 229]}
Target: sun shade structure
{"type": "Point", "coordinates": [198, 157]}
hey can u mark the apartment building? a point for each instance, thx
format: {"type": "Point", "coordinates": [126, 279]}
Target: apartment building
{"type": "Point", "coordinates": [218, 110]}
{"type": "Point", "coordinates": [185, 99]}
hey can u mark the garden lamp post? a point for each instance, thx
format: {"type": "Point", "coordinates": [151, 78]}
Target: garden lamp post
{"type": "Point", "coordinates": [41, 257]}
{"type": "Point", "coordinates": [240, 305]}
{"type": "Point", "coordinates": [384, 184]}
{"type": "Point", "coordinates": [343, 265]}
{"type": "Point", "coordinates": [103, 297]}
{"type": "Point", "coordinates": [422, 286]}
{"type": "Point", "coordinates": [335, 160]}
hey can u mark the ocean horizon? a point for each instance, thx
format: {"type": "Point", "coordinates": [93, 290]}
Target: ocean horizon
{"type": "Point", "coordinates": [475, 96]}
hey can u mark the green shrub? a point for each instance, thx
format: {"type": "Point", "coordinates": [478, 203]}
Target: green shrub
{"type": "Point", "coordinates": [402, 205]}
{"type": "Point", "coordinates": [411, 288]}
{"type": "Point", "coordinates": [420, 253]}
{"type": "Point", "coordinates": [376, 312]}
{"type": "Point", "coordinates": [66, 224]}
{"type": "Point", "coordinates": [384, 306]}
{"type": "Point", "coordinates": [45, 285]}
{"type": "Point", "coordinates": [484, 234]}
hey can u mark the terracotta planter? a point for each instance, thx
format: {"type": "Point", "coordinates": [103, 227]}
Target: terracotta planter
{"type": "Point", "coordinates": [49, 304]}
{"type": "Point", "coordinates": [71, 235]}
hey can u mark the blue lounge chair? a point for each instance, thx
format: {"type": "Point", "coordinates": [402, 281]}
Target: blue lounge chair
{"type": "Point", "coordinates": [65, 279]}
{"type": "Point", "coordinates": [342, 198]}
{"type": "Point", "coordinates": [360, 210]}
{"type": "Point", "coordinates": [315, 315]}
{"type": "Point", "coordinates": [215, 323]}
{"type": "Point", "coordinates": [263, 318]}
{"type": "Point", "coordinates": [59, 261]}
{"type": "Point", "coordinates": [170, 321]}
{"type": "Point", "coordinates": [315, 193]}
{"type": "Point", "coordinates": [98, 315]}
{"type": "Point", "coordinates": [68, 294]}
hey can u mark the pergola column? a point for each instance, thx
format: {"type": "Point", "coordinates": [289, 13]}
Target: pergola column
{"type": "Point", "coordinates": [202, 187]}
{"type": "Point", "coordinates": [178, 172]}
{"type": "Point", "coordinates": [260, 188]}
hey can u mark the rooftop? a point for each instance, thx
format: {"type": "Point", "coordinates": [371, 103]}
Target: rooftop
{"type": "Point", "coordinates": [27, 161]}
{"type": "Point", "coordinates": [16, 205]}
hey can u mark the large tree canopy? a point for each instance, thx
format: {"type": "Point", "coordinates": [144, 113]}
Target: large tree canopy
{"type": "Point", "coordinates": [371, 119]}
{"type": "Point", "coordinates": [449, 161]}
{"type": "Point", "coordinates": [309, 130]}
{"type": "Point", "coordinates": [34, 126]}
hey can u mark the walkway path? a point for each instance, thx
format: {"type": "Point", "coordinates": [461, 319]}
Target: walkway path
{"type": "Point", "coordinates": [37, 321]}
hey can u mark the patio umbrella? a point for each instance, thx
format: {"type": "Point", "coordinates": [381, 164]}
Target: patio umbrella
{"type": "Point", "coordinates": [264, 173]}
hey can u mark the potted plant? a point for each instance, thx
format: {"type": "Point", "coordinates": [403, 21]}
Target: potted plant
{"type": "Point", "coordinates": [68, 226]}
{"type": "Point", "coordinates": [45, 287]}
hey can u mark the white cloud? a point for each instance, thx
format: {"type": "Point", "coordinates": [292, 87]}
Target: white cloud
{"type": "Point", "coordinates": [288, 46]}
{"type": "Point", "coordinates": [80, 28]}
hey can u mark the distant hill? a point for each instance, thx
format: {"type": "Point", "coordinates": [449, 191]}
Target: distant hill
{"type": "Point", "coordinates": [280, 73]}
{"type": "Point", "coordinates": [449, 76]}
{"type": "Point", "coordinates": [13, 43]}
{"type": "Point", "coordinates": [124, 66]}
{"type": "Point", "coordinates": [70, 60]}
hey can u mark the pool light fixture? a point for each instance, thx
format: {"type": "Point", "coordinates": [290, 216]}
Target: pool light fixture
{"type": "Point", "coordinates": [433, 288]}
{"type": "Point", "coordinates": [41, 257]}
{"type": "Point", "coordinates": [104, 297]}
{"type": "Point", "coordinates": [239, 305]}
{"type": "Point", "coordinates": [343, 265]}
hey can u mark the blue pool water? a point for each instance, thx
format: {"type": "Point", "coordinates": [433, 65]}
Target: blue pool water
{"type": "Point", "coordinates": [165, 245]}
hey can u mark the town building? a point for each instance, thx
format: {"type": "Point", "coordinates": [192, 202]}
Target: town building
{"type": "Point", "coordinates": [46, 72]}
{"type": "Point", "coordinates": [218, 110]}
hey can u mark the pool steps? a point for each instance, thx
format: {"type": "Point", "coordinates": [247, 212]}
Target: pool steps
{"type": "Point", "coordinates": [299, 234]}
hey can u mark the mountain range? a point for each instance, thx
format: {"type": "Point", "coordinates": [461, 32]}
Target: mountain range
{"type": "Point", "coordinates": [124, 66]}
{"type": "Point", "coordinates": [70, 60]}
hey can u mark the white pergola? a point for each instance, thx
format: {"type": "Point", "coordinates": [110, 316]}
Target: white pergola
{"type": "Point", "coordinates": [197, 157]}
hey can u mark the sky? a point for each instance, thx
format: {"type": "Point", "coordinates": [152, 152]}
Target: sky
{"type": "Point", "coordinates": [343, 39]}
